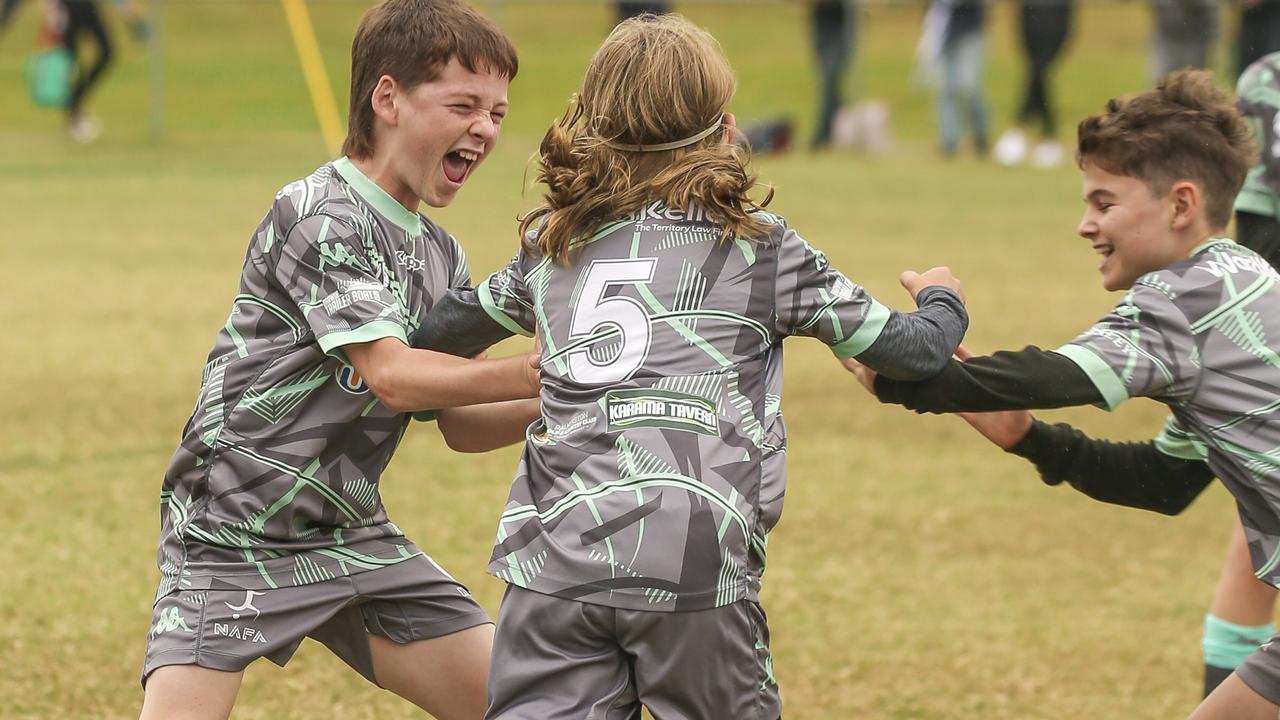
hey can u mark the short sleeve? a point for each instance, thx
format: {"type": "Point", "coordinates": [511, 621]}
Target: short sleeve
{"type": "Point", "coordinates": [504, 295]}
{"type": "Point", "coordinates": [1176, 441]}
{"type": "Point", "coordinates": [815, 300]}
{"type": "Point", "coordinates": [1143, 348]}
{"type": "Point", "coordinates": [325, 269]}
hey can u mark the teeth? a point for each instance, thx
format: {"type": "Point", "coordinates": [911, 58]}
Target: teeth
{"type": "Point", "coordinates": [468, 155]}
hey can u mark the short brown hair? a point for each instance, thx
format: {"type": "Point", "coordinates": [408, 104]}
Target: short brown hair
{"type": "Point", "coordinates": [654, 80]}
{"type": "Point", "coordinates": [1184, 129]}
{"type": "Point", "coordinates": [412, 41]}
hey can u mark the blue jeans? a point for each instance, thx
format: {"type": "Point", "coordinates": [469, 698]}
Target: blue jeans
{"type": "Point", "coordinates": [961, 96]}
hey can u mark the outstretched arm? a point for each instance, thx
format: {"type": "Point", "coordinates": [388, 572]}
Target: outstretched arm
{"type": "Point", "coordinates": [409, 380]}
{"type": "Point", "coordinates": [915, 346]}
{"type": "Point", "coordinates": [459, 325]}
{"type": "Point", "coordinates": [481, 428]}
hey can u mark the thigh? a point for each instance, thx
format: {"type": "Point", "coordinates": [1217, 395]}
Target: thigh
{"type": "Point", "coordinates": [707, 664]}
{"type": "Point", "coordinates": [189, 692]}
{"type": "Point", "coordinates": [556, 659]}
{"type": "Point", "coordinates": [446, 676]}
{"type": "Point", "coordinates": [1236, 700]}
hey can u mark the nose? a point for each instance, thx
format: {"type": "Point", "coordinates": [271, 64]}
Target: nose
{"type": "Point", "coordinates": [484, 129]}
{"type": "Point", "coordinates": [1088, 227]}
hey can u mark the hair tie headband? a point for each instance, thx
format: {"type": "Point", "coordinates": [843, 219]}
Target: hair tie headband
{"type": "Point", "coordinates": [668, 145]}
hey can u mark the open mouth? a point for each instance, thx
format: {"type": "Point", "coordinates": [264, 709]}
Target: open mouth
{"type": "Point", "coordinates": [457, 164]}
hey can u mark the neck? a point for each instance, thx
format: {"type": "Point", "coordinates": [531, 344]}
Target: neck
{"type": "Point", "coordinates": [378, 168]}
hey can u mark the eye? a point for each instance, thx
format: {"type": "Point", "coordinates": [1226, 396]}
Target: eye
{"type": "Point", "coordinates": [497, 117]}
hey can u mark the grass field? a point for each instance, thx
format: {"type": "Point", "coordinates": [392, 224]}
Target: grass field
{"type": "Point", "coordinates": [917, 572]}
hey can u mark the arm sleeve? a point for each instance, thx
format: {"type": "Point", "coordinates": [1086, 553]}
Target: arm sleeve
{"type": "Point", "coordinates": [1138, 475]}
{"type": "Point", "coordinates": [459, 325]}
{"type": "Point", "coordinates": [325, 268]}
{"type": "Point", "coordinates": [1027, 379]}
{"type": "Point", "coordinates": [505, 296]}
{"type": "Point", "coordinates": [814, 299]}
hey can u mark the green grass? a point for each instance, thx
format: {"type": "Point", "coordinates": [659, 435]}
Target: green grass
{"type": "Point", "coordinates": [917, 572]}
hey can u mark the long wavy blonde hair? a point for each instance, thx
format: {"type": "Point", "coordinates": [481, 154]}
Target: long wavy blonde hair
{"type": "Point", "coordinates": [655, 80]}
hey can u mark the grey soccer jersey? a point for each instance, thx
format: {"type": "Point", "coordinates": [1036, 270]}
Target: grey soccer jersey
{"type": "Point", "coordinates": [1202, 336]}
{"type": "Point", "coordinates": [275, 482]}
{"type": "Point", "coordinates": [659, 471]}
{"type": "Point", "coordinates": [1258, 96]}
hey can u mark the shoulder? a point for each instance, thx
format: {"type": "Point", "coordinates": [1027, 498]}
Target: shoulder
{"type": "Point", "coordinates": [1218, 270]}
{"type": "Point", "coordinates": [316, 200]}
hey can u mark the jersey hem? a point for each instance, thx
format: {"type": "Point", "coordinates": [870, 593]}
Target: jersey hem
{"type": "Point", "coordinates": [368, 332]}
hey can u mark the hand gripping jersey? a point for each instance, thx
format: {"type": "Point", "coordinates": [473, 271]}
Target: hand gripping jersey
{"type": "Point", "coordinates": [1202, 336]}
{"type": "Point", "coordinates": [275, 482]}
{"type": "Point", "coordinates": [1258, 96]}
{"type": "Point", "coordinates": [659, 470]}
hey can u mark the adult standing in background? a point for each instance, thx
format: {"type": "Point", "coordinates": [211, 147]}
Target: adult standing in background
{"type": "Point", "coordinates": [1185, 31]}
{"type": "Point", "coordinates": [1045, 26]}
{"type": "Point", "coordinates": [834, 28]}
{"type": "Point", "coordinates": [632, 8]}
{"type": "Point", "coordinates": [1259, 32]}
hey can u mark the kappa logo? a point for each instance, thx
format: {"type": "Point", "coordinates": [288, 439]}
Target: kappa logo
{"type": "Point", "coordinates": [238, 610]}
{"type": "Point", "coordinates": [170, 619]}
{"type": "Point", "coordinates": [349, 379]}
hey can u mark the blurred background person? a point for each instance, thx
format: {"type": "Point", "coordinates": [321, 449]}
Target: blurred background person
{"type": "Point", "coordinates": [631, 8]}
{"type": "Point", "coordinates": [1045, 26]}
{"type": "Point", "coordinates": [83, 19]}
{"type": "Point", "coordinates": [951, 56]}
{"type": "Point", "coordinates": [6, 12]}
{"type": "Point", "coordinates": [1259, 31]}
{"type": "Point", "coordinates": [833, 25]}
{"type": "Point", "coordinates": [1185, 31]}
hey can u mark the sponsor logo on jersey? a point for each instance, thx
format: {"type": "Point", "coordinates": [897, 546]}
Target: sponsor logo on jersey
{"type": "Point", "coordinates": [170, 619]}
{"type": "Point", "coordinates": [658, 211]}
{"type": "Point", "coordinates": [580, 421]}
{"type": "Point", "coordinates": [350, 293]}
{"type": "Point", "coordinates": [349, 379]}
{"type": "Point", "coordinates": [238, 610]}
{"type": "Point", "coordinates": [661, 409]}
{"type": "Point", "coordinates": [239, 632]}
{"type": "Point", "coordinates": [1233, 264]}
{"type": "Point", "coordinates": [410, 261]}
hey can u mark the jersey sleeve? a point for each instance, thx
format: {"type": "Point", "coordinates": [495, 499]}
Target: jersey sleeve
{"type": "Point", "coordinates": [505, 296]}
{"type": "Point", "coordinates": [1176, 441]}
{"type": "Point", "coordinates": [815, 300]}
{"type": "Point", "coordinates": [1143, 348]}
{"type": "Point", "coordinates": [325, 269]}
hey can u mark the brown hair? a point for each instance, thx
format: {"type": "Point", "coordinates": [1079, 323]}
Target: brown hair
{"type": "Point", "coordinates": [656, 79]}
{"type": "Point", "coordinates": [1184, 129]}
{"type": "Point", "coordinates": [412, 41]}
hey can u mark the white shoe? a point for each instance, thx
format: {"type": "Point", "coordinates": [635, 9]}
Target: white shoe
{"type": "Point", "coordinates": [1011, 148]}
{"type": "Point", "coordinates": [84, 130]}
{"type": "Point", "coordinates": [1047, 154]}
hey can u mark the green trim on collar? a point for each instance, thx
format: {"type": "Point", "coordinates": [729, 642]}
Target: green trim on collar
{"type": "Point", "coordinates": [1209, 243]}
{"type": "Point", "coordinates": [377, 197]}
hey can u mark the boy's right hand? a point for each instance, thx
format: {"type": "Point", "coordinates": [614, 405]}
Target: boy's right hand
{"type": "Point", "coordinates": [1004, 428]}
{"type": "Point", "coordinates": [914, 282]}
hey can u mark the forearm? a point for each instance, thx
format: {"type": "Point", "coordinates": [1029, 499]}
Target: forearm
{"type": "Point", "coordinates": [480, 428]}
{"type": "Point", "coordinates": [1028, 379]}
{"type": "Point", "coordinates": [410, 380]}
{"type": "Point", "coordinates": [915, 346]}
{"type": "Point", "coordinates": [458, 325]}
{"type": "Point", "coordinates": [1131, 474]}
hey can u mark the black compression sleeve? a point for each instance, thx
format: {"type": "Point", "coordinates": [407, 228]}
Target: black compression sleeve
{"type": "Point", "coordinates": [915, 346]}
{"type": "Point", "coordinates": [1027, 379]}
{"type": "Point", "coordinates": [1132, 474]}
{"type": "Point", "coordinates": [457, 324]}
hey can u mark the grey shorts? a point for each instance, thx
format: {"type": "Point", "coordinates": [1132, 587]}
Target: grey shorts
{"type": "Point", "coordinates": [1261, 670]}
{"type": "Point", "coordinates": [556, 659]}
{"type": "Point", "coordinates": [226, 628]}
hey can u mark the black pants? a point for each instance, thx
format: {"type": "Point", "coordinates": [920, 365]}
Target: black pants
{"type": "Point", "coordinates": [834, 26]}
{"type": "Point", "coordinates": [1259, 33]}
{"type": "Point", "coordinates": [83, 18]}
{"type": "Point", "coordinates": [1045, 26]}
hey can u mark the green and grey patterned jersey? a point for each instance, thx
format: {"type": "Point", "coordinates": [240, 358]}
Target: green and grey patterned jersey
{"type": "Point", "coordinates": [659, 467]}
{"type": "Point", "coordinates": [275, 482]}
{"type": "Point", "coordinates": [1203, 337]}
{"type": "Point", "coordinates": [1258, 96]}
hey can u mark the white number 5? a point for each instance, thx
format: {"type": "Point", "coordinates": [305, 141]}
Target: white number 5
{"type": "Point", "coordinates": [593, 310]}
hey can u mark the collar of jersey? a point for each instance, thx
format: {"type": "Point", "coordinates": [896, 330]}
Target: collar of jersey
{"type": "Point", "coordinates": [1209, 243]}
{"type": "Point", "coordinates": [377, 197]}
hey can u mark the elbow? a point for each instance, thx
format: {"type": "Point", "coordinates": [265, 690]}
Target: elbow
{"type": "Point", "coordinates": [382, 383]}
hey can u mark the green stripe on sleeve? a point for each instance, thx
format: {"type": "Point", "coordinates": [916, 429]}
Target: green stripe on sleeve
{"type": "Point", "coordinates": [866, 334]}
{"type": "Point", "coordinates": [498, 314]}
{"type": "Point", "coordinates": [368, 332]}
{"type": "Point", "coordinates": [1100, 373]}
{"type": "Point", "coordinates": [1183, 448]}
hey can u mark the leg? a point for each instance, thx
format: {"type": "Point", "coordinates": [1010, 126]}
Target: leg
{"type": "Point", "coordinates": [949, 93]}
{"type": "Point", "coordinates": [190, 692]}
{"type": "Point", "coordinates": [833, 27]}
{"type": "Point", "coordinates": [1239, 619]}
{"type": "Point", "coordinates": [84, 17]}
{"type": "Point", "coordinates": [446, 676]}
{"type": "Point", "coordinates": [1234, 700]}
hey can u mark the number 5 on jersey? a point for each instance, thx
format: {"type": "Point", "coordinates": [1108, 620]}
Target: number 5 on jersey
{"type": "Point", "coordinates": [596, 318]}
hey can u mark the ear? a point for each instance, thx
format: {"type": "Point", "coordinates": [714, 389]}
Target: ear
{"type": "Point", "coordinates": [731, 128]}
{"type": "Point", "coordinates": [384, 100]}
{"type": "Point", "coordinates": [1187, 199]}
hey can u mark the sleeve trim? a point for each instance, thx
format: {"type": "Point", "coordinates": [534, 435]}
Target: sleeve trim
{"type": "Point", "coordinates": [491, 307]}
{"type": "Point", "coordinates": [866, 334]}
{"type": "Point", "coordinates": [368, 332]}
{"type": "Point", "coordinates": [1103, 377]}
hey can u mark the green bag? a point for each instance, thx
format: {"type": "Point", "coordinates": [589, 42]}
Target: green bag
{"type": "Point", "coordinates": [48, 75]}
